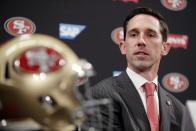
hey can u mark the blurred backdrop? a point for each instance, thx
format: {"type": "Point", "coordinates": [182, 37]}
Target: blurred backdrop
{"type": "Point", "coordinates": [92, 28]}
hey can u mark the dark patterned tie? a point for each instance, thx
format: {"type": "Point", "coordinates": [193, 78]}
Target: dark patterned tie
{"type": "Point", "coordinates": [151, 108]}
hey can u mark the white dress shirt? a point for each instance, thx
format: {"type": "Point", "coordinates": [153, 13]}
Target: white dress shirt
{"type": "Point", "coordinates": [138, 82]}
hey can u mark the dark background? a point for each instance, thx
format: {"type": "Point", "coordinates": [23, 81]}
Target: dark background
{"type": "Point", "coordinates": [101, 17]}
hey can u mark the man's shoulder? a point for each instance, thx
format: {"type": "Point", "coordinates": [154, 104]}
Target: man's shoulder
{"type": "Point", "coordinates": [111, 81]}
{"type": "Point", "coordinates": [105, 82]}
{"type": "Point", "coordinates": [104, 88]}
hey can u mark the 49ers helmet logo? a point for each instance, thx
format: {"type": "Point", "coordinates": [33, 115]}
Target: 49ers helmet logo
{"type": "Point", "coordinates": [19, 25]}
{"type": "Point", "coordinates": [175, 5]}
{"type": "Point", "coordinates": [175, 82]}
{"type": "Point", "coordinates": [40, 59]}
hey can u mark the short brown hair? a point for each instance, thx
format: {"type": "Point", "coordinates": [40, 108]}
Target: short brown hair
{"type": "Point", "coordinates": [144, 10]}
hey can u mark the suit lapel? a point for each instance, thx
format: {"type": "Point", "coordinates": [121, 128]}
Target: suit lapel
{"type": "Point", "coordinates": [165, 112]}
{"type": "Point", "coordinates": [133, 101]}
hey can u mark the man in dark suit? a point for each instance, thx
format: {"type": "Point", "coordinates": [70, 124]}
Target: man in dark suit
{"type": "Point", "coordinates": [144, 44]}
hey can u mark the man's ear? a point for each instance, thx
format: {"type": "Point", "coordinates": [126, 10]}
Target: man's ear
{"type": "Point", "coordinates": [165, 48]}
{"type": "Point", "coordinates": [122, 47]}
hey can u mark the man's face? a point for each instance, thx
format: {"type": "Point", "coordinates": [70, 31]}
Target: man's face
{"type": "Point", "coordinates": [143, 45]}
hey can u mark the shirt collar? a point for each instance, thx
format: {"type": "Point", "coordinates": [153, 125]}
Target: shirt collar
{"type": "Point", "coordinates": [139, 80]}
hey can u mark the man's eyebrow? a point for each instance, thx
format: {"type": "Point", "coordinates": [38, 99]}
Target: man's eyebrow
{"type": "Point", "coordinates": [152, 30]}
{"type": "Point", "coordinates": [132, 30]}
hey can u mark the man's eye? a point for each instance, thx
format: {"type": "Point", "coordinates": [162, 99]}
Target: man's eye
{"type": "Point", "coordinates": [152, 35]}
{"type": "Point", "coordinates": [133, 34]}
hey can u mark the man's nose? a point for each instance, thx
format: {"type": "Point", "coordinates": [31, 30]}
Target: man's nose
{"type": "Point", "coordinates": [141, 40]}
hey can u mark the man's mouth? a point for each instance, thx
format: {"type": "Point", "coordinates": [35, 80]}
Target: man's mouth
{"type": "Point", "coordinates": [141, 53]}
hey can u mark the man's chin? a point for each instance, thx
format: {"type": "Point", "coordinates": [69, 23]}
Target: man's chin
{"type": "Point", "coordinates": [142, 66]}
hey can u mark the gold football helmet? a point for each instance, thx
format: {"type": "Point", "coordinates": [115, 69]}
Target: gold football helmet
{"type": "Point", "coordinates": [38, 75]}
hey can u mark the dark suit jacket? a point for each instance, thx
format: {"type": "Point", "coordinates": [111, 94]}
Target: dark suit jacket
{"type": "Point", "coordinates": [128, 110]}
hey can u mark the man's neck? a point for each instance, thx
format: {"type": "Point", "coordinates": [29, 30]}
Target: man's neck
{"type": "Point", "coordinates": [147, 74]}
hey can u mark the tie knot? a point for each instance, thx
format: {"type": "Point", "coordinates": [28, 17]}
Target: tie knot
{"type": "Point", "coordinates": [149, 88]}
